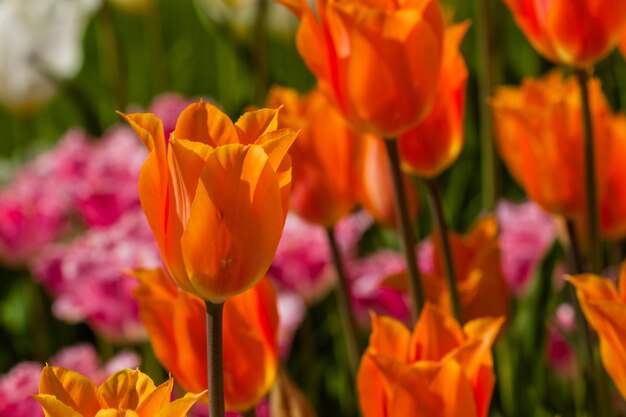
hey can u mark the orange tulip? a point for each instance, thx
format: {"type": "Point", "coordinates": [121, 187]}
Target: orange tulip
{"type": "Point", "coordinates": [435, 143]}
{"type": "Point", "coordinates": [622, 43]}
{"type": "Point", "coordinates": [605, 309]}
{"type": "Point", "coordinates": [480, 280]}
{"type": "Point", "coordinates": [439, 370]}
{"type": "Point", "coordinates": [377, 61]}
{"type": "Point", "coordinates": [613, 200]}
{"type": "Point", "coordinates": [65, 393]}
{"type": "Point", "coordinates": [324, 157]}
{"type": "Point", "coordinates": [176, 325]}
{"type": "Point", "coordinates": [216, 196]}
{"type": "Point", "coordinates": [376, 185]}
{"type": "Point", "coordinates": [539, 133]}
{"type": "Point", "coordinates": [576, 33]}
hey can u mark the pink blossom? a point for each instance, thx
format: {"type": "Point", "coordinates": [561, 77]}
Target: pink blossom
{"type": "Point", "coordinates": [167, 107]}
{"type": "Point", "coordinates": [303, 263]}
{"type": "Point", "coordinates": [86, 276]}
{"type": "Point", "coordinates": [561, 354]}
{"type": "Point", "coordinates": [526, 233]}
{"type": "Point", "coordinates": [108, 186]}
{"type": "Point", "coordinates": [35, 207]}
{"type": "Point", "coordinates": [291, 310]}
{"type": "Point", "coordinates": [366, 277]}
{"type": "Point", "coordinates": [22, 381]}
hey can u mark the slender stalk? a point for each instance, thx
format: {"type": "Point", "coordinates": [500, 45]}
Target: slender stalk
{"type": "Point", "coordinates": [259, 51]}
{"type": "Point", "coordinates": [596, 384]}
{"type": "Point", "coordinates": [436, 204]}
{"type": "Point", "coordinates": [593, 222]}
{"type": "Point", "coordinates": [345, 306]}
{"type": "Point", "coordinates": [405, 229]}
{"type": "Point", "coordinates": [215, 358]}
{"type": "Point", "coordinates": [112, 56]}
{"type": "Point", "coordinates": [250, 413]}
{"type": "Point", "coordinates": [485, 86]}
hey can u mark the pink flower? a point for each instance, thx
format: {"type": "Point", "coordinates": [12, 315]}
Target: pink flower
{"type": "Point", "coordinates": [108, 186]}
{"type": "Point", "coordinates": [35, 207]}
{"type": "Point", "coordinates": [561, 354]}
{"type": "Point", "coordinates": [303, 263]}
{"type": "Point", "coordinates": [167, 107]}
{"type": "Point", "coordinates": [22, 381]}
{"type": "Point", "coordinates": [291, 310]}
{"type": "Point", "coordinates": [87, 278]}
{"type": "Point", "coordinates": [366, 277]}
{"type": "Point", "coordinates": [526, 233]}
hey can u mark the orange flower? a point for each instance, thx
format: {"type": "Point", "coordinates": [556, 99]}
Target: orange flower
{"type": "Point", "coordinates": [480, 280]}
{"type": "Point", "coordinates": [176, 325]}
{"type": "Point", "coordinates": [378, 61]}
{"type": "Point", "coordinates": [435, 143]}
{"type": "Point", "coordinates": [605, 309]}
{"type": "Point", "coordinates": [65, 393]}
{"type": "Point", "coordinates": [439, 370]}
{"type": "Point", "coordinates": [622, 43]}
{"type": "Point", "coordinates": [549, 26]}
{"type": "Point", "coordinates": [376, 186]}
{"type": "Point", "coordinates": [216, 196]}
{"type": "Point", "coordinates": [539, 133]}
{"type": "Point", "coordinates": [324, 157]}
{"type": "Point", "coordinates": [613, 200]}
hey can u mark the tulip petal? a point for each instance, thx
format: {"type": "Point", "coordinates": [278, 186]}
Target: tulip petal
{"type": "Point", "coordinates": [53, 407]}
{"type": "Point", "coordinates": [372, 387]}
{"type": "Point", "coordinates": [203, 122]}
{"type": "Point", "coordinates": [156, 400]}
{"type": "Point", "coordinates": [71, 388]}
{"type": "Point", "coordinates": [190, 366]}
{"type": "Point", "coordinates": [237, 204]}
{"type": "Point", "coordinates": [112, 412]}
{"type": "Point", "coordinates": [612, 347]}
{"type": "Point", "coordinates": [254, 124]}
{"type": "Point", "coordinates": [178, 408]}
{"type": "Point", "coordinates": [435, 335]}
{"type": "Point", "coordinates": [389, 337]}
{"type": "Point", "coordinates": [126, 389]}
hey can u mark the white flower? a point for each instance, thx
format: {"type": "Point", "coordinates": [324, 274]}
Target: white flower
{"type": "Point", "coordinates": [39, 39]}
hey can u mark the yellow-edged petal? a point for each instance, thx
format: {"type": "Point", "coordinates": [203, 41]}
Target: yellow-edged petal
{"type": "Point", "coordinates": [71, 388]}
{"type": "Point", "coordinates": [178, 408]}
{"type": "Point", "coordinates": [203, 122]}
{"type": "Point", "coordinates": [52, 407]}
{"type": "Point", "coordinates": [126, 389]}
{"type": "Point", "coordinates": [254, 124]}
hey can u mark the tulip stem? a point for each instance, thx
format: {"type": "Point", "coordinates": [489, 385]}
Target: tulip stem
{"type": "Point", "coordinates": [485, 87]}
{"type": "Point", "coordinates": [112, 55]}
{"type": "Point", "coordinates": [436, 204]}
{"type": "Point", "coordinates": [596, 386]}
{"type": "Point", "coordinates": [345, 305]}
{"type": "Point", "coordinates": [259, 51]}
{"type": "Point", "coordinates": [590, 175]}
{"type": "Point", "coordinates": [215, 358]}
{"type": "Point", "coordinates": [405, 230]}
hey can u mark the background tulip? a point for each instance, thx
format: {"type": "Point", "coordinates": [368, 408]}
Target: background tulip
{"type": "Point", "coordinates": [539, 136]}
{"type": "Point", "coordinates": [369, 58]}
{"type": "Point", "coordinates": [548, 26]}
{"type": "Point", "coordinates": [176, 325]}
{"type": "Point", "coordinates": [324, 180]}
{"type": "Point", "coordinates": [435, 143]}
{"type": "Point", "coordinates": [216, 196]}
{"type": "Point", "coordinates": [437, 370]}
{"type": "Point", "coordinates": [604, 307]}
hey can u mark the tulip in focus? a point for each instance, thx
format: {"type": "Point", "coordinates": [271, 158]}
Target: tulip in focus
{"type": "Point", "coordinates": [604, 306]}
{"type": "Point", "coordinates": [574, 33]}
{"type": "Point", "coordinates": [324, 180]}
{"type": "Point", "coordinates": [539, 133]}
{"type": "Point", "coordinates": [436, 142]}
{"type": "Point", "coordinates": [64, 393]}
{"type": "Point", "coordinates": [216, 196]}
{"type": "Point", "coordinates": [370, 58]}
{"type": "Point", "coordinates": [176, 324]}
{"type": "Point", "coordinates": [438, 370]}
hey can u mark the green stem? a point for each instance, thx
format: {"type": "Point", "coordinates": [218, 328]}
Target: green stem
{"type": "Point", "coordinates": [250, 413]}
{"type": "Point", "coordinates": [215, 358]}
{"type": "Point", "coordinates": [112, 56]}
{"type": "Point", "coordinates": [436, 204]}
{"type": "Point", "coordinates": [485, 89]}
{"type": "Point", "coordinates": [593, 222]}
{"type": "Point", "coordinates": [345, 305]}
{"type": "Point", "coordinates": [405, 229]}
{"type": "Point", "coordinates": [596, 384]}
{"type": "Point", "coordinates": [259, 51]}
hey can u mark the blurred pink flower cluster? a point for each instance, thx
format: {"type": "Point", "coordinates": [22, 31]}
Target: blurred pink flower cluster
{"type": "Point", "coordinates": [73, 216]}
{"type": "Point", "coordinates": [19, 384]}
